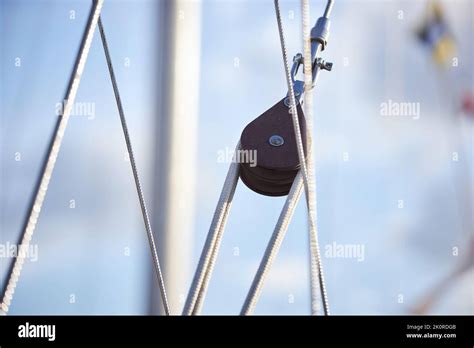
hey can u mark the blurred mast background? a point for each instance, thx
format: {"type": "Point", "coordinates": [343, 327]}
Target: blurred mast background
{"type": "Point", "coordinates": [176, 146]}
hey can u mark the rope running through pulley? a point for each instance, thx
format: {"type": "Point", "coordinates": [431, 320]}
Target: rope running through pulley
{"type": "Point", "coordinates": [284, 167]}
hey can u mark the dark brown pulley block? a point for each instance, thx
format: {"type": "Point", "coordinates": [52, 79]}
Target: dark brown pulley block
{"type": "Point", "coordinates": [272, 138]}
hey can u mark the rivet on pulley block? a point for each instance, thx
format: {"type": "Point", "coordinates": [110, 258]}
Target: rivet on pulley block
{"type": "Point", "coordinates": [276, 140]}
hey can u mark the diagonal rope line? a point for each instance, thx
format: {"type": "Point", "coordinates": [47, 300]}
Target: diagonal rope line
{"type": "Point", "coordinates": [210, 250]}
{"type": "Point", "coordinates": [316, 263]}
{"type": "Point", "coordinates": [51, 158]}
{"type": "Point", "coordinates": [141, 198]}
{"type": "Point", "coordinates": [212, 261]}
{"type": "Point", "coordinates": [273, 245]}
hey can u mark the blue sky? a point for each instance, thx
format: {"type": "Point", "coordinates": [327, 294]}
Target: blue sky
{"type": "Point", "coordinates": [376, 58]}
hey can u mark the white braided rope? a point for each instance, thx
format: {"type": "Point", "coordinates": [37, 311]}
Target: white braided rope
{"type": "Point", "coordinates": [312, 200]}
{"type": "Point", "coordinates": [273, 245]}
{"type": "Point", "coordinates": [212, 261]}
{"type": "Point", "coordinates": [51, 161]}
{"type": "Point", "coordinates": [133, 165]}
{"type": "Point", "coordinates": [316, 265]}
{"type": "Point", "coordinates": [209, 253]}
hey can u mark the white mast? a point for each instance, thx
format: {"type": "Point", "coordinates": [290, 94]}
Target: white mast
{"type": "Point", "coordinates": [176, 146]}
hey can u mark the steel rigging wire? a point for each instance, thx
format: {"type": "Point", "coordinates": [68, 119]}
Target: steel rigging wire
{"type": "Point", "coordinates": [306, 171]}
{"type": "Point", "coordinates": [146, 219]}
{"type": "Point", "coordinates": [53, 153]}
{"type": "Point", "coordinates": [319, 36]}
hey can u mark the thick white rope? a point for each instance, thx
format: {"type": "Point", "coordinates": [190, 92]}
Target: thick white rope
{"type": "Point", "coordinates": [312, 200]}
{"type": "Point", "coordinates": [211, 247]}
{"type": "Point", "coordinates": [211, 264]}
{"type": "Point", "coordinates": [52, 157]}
{"type": "Point", "coordinates": [203, 273]}
{"type": "Point", "coordinates": [141, 198]}
{"type": "Point", "coordinates": [316, 263]}
{"type": "Point", "coordinates": [273, 245]}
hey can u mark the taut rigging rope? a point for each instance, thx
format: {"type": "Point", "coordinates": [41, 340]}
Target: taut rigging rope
{"type": "Point", "coordinates": [94, 19]}
{"type": "Point", "coordinates": [52, 156]}
{"type": "Point", "coordinates": [316, 265]}
{"type": "Point", "coordinates": [146, 219]}
{"type": "Point", "coordinates": [316, 269]}
{"type": "Point", "coordinates": [211, 247]}
{"type": "Point", "coordinates": [209, 254]}
{"type": "Point", "coordinates": [273, 245]}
